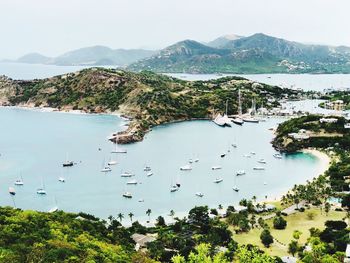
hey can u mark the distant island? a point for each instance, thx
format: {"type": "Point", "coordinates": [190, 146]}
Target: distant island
{"type": "Point", "coordinates": [233, 54]}
{"type": "Point", "coordinates": [255, 54]}
{"type": "Point", "coordinates": [147, 98]}
{"type": "Point", "coordinates": [89, 56]}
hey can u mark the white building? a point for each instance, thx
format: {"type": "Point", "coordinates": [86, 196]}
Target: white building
{"type": "Point", "coordinates": [347, 254]}
{"type": "Point", "coordinates": [328, 120]}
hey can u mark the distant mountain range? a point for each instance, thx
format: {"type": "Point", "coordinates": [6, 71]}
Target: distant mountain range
{"type": "Point", "coordinates": [96, 55]}
{"type": "Point", "coordinates": [258, 53]}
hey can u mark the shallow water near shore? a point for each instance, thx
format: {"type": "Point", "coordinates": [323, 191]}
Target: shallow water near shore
{"type": "Point", "coordinates": [34, 144]}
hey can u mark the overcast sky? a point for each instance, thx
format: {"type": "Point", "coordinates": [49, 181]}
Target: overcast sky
{"type": "Point", "coordinates": [53, 27]}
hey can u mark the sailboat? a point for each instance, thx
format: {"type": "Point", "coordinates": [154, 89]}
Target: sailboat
{"type": "Point", "coordinates": [240, 172]}
{"type": "Point", "coordinates": [174, 188]}
{"type": "Point", "coordinates": [55, 208]}
{"type": "Point", "coordinates": [251, 118]}
{"type": "Point", "coordinates": [235, 187]}
{"type": "Point", "coordinates": [41, 191]}
{"type": "Point", "coordinates": [61, 179]}
{"type": "Point", "coordinates": [118, 150]}
{"type": "Point", "coordinates": [147, 168]}
{"type": "Point", "coordinates": [262, 161]}
{"type": "Point", "coordinates": [238, 119]}
{"type": "Point", "coordinates": [19, 182]}
{"type": "Point", "coordinates": [12, 191]}
{"type": "Point", "coordinates": [199, 194]}
{"type": "Point", "coordinates": [259, 168]}
{"type": "Point", "coordinates": [216, 167]}
{"type": "Point", "coordinates": [218, 180]}
{"type": "Point", "coordinates": [112, 162]}
{"type": "Point", "coordinates": [106, 168]}
{"type": "Point", "coordinates": [277, 156]}
{"type": "Point", "coordinates": [186, 167]}
{"type": "Point", "coordinates": [67, 163]}
{"type": "Point", "coordinates": [127, 194]}
{"type": "Point", "coordinates": [149, 173]}
{"type": "Point", "coordinates": [126, 174]}
{"type": "Point", "coordinates": [134, 182]}
{"type": "Point", "coordinates": [222, 120]}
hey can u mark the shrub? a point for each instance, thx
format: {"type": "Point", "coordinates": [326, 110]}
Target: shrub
{"type": "Point", "coordinates": [266, 238]}
{"type": "Point", "coordinates": [279, 223]}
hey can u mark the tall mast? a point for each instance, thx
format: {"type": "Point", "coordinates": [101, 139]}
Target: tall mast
{"type": "Point", "coordinates": [239, 103]}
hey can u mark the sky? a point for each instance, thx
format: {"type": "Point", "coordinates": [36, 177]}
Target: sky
{"type": "Point", "coordinates": [52, 27]}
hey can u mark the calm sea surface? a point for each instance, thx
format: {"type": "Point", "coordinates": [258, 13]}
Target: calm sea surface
{"type": "Point", "coordinates": [34, 145]}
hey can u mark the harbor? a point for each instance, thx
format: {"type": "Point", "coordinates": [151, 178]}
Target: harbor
{"type": "Point", "coordinates": [165, 149]}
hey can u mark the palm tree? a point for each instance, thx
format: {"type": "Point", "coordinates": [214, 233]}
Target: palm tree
{"type": "Point", "coordinates": [220, 206]}
{"type": "Point", "coordinates": [131, 216]}
{"type": "Point", "coordinates": [254, 198]}
{"type": "Point", "coordinates": [172, 213]}
{"type": "Point", "coordinates": [110, 218]}
{"type": "Point", "coordinates": [120, 217]}
{"type": "Point", "coordinates": [148, 212]}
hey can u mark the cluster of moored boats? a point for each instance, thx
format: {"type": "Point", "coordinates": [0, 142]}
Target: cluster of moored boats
{"type": "Point", "coordinates": [225, 120]}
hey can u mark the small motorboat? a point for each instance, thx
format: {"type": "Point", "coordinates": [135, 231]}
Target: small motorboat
{"type": "Point", "coordinates": [149, 173]}
{"type": "Point", "coordinates": [41, 191]}
{"type": "Point", "coordinates": [106, 169]}
{"type": "Point", "coordinates": [235, 188]}
{"type": "Point", "coordinates": [68, 164]}
{"type": "Point", "coordinates": [141, 200]}
{"type": "Point", "coordinates": [147, 168]}
{"type": "Point", "coordinates": [199, 194]}
{"type": "Point", "coordinates": [217, 167]}
{"type": "Point", "coordinates": [265, 183]}
{"type": "Point", "coordinates": [127, 195]}
{"type": "Point", "coordinates": [12, 191]}
{"type": "Point", "coordinates": [262, 161]}
{"type": "Point", "coordinates": [259, 168]}
{"type": "Point", "coordinates": [134, 182]}
{"type": "Point", "coordinates": [112, 162]}
{"type": "Point", "coordinates": [196, 160]}
{"type": "Point", "coordinates": [126, 174]}
{"type": "Point", "coordinates": [61, 179]}
{"type": "Point", "coordinates": [186, 167]}
{"type": "Point", "coordinates": [190, 161]}
{"type": "Point", "coordinates": [234, 145]}
{"type": "Point", "coordinates": [252, 153]}
{"type": "Point", "coordinates": [247, 155]}
{"type": "Point", "coordinates": [222, 155]}
{"type": "Point", "coordinates": [218, 180]}
{"type": "Point", "coordinates": [240, 172]}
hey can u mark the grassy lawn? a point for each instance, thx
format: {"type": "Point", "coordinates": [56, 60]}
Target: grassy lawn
{"type": "Point", "coordinates": [297, 221]}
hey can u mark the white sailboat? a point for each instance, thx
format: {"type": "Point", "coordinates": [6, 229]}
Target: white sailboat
{"type": "Point", "coordinates": [127, 174]}
{"type": "Point", "coordinates": [174, 188]}
{"type": "Point", "coordinates": [61, 179]}
{"type": "Point", "coordinates": [55, 208]}
{"type": "Point", "coordinates": [218, 180]}
{"type": "Point", "coordinates": [133, 182]}
{"type": "Point", "coordinates": [199, 194]}
{"type": "Point", "coordinates": [251, 118]}
{"type": "Point", "coordinates": [147, 168]}
{"type": "Point", "coordinates": [127, 194]}
{"type": "Point", "coordinates": [118, 150]}
{"type": "Point", "coordinates": [216, 167]}
{"type": "Point", "coordinates": [262, 161]}
{"type": "Point", "coordinates": [259, 168]}
{"type": "Point", "coordinates": [41, 191]}
{"type": "Point", "coordinates": [149, 174]}
{"type": "Point", "coordinates": [238, 119]}
{"type": "Point", "coordinates": [186, 167]}
{"type": "Point", "coordinates": [240, 172]}
{"type": "Point", "coordinates": [19, 182]}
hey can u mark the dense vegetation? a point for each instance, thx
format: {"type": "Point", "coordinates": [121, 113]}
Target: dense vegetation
{"type": "Point", "coordinates": [322, 135]}
{"type": "Point", "coordinates": [338, 95]}
{"type": "Point", "coordinates": [150, 99]}
{"type": "Point", "coordinates": [258, 53]}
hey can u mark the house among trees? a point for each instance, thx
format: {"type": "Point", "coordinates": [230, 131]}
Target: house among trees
{"type": "Point", "coordinates": [337, 105]}
{"type": "Point", "coordinates": [141, 240]}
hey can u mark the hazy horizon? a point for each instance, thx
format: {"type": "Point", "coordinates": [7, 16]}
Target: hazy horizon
{"type": "Point", "coordinates": [53, 28]}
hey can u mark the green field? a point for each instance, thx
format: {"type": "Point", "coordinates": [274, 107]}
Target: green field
{"type": "Point", "coordinates": [298, 221]}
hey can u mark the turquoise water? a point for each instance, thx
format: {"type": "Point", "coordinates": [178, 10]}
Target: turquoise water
{"type": "Point", "coordinates": [35, 144]}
